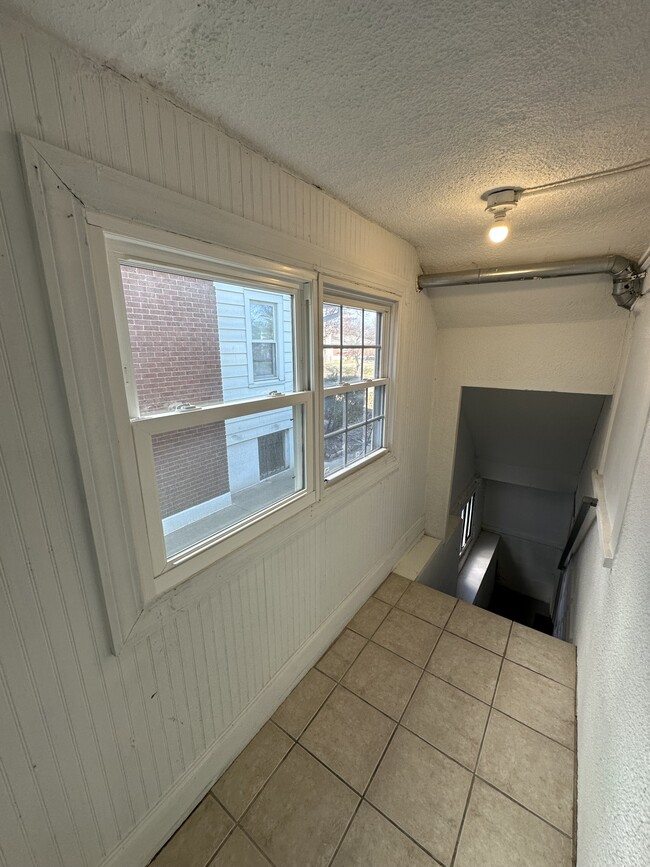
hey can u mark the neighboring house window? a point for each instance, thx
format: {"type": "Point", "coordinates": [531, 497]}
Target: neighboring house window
{"type": "Point", "coordinates": [272, 454]}
{"type": "Point", "coordinates": [355, 382]}
{"type": "Point", "coordinates": [466, 519]}
{"type": "Point", "coordinates": [264, 345]}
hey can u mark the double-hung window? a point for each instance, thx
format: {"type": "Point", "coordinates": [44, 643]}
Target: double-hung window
{"type": "Point", "coordinates": [216, 452]}
{"type": "Point", "coordinates": [265, 316]}
{"type": "Point", "coordinates": [355, 381]}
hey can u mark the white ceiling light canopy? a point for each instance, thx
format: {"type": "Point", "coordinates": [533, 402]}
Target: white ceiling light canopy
{"type": "Point", "coordinates": [499, 202]}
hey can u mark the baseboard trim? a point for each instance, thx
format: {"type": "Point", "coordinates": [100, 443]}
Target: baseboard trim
{"type": "Point", "coordinates": [142, 843]}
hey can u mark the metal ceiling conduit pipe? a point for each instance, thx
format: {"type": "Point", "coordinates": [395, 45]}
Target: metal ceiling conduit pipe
{"type": "Point", "coordinates": [626, 276]}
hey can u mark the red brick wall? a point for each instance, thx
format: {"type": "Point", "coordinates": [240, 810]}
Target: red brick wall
{"type": "Point", "coordinates": [191, 466]}
{"type": "Point", "coordinates": [174, 335]}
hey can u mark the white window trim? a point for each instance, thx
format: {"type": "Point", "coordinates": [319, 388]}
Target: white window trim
{"type": "Point", "coordinates": [68, 195]}
{"type": "Point", "coordinates": [386, 304]}
{"type": "Point", "coordinates": [108, 249]}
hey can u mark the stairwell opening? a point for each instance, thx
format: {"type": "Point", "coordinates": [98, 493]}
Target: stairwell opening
{"type": "Point", "coordinates": [518, 474]}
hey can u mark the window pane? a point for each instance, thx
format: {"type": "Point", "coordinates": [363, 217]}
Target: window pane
{"type": "Point", "coordinates": [331, 367]}
{"type": "Point", "coordinates": [334, 413]}
{"type": "Point", "coordinates": [374, 436]}
{"type": "Point", "coordinates": [272, 453]}
{"type": "Point", "coordinates": [370, 335]}
{"type": "Point", "coordinates": [331, 324]}
{"type": "Point", "coordinates": [351, 365]}
{"type": "Point", "coordinates": [375, 401]}
{"type": "Point", "coordinates": [189, 340]}
{"type": "Point", "coordinates": [356, 445]}
{"type": "Point", "coordinates": [264, 366]}
{"type": "Point", "coordinates": [334, 453]}
{"type": "Point", "coordinates": [262, 321]}
{"type": "Point", "coordinates": [370, 368]}
{"type": "Point", "coordinates": [215, 476]}
{"type": "Point", "coordinates": [356, 407]}
{"type": "Point", "coordinates": [359, 412]}
{"type": "Point", "coordinates": [352, 326]}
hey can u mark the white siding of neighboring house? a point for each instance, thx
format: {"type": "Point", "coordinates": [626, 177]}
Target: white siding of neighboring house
{"type": "Point", "coordinates": [237, 376]}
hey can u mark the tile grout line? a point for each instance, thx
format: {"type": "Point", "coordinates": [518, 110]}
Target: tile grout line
{"type": "Point", "coordinates": [256, 846]}
{"type": "Point", "coordinates": [462, 638]}
{"type": "Point", "coordinates": [574, 846]}
{"type": "Point", "coordinates": [523, 806]}
{"type": "Point", "coordinates": [340, 683]}
{"type": "Point", "coordinates": [385, 750]}
{"type": "Point", "coordinates": [296, 743]}
{"type": "Point", "coordinates": [480, 749]}
{"type": "Point", "coordinates": [530, 728]}
{"type": "Point", "coordinates": [225, 839]}
{"type": "Point", "coordinates": [254, 799]}
{"type": "Point", "coordinates": [539, 674]}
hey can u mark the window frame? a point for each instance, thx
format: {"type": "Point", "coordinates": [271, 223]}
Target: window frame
{"type": "Point", "coordinates": [110, 248]}
{"type": "Point", "coordinates": [384, 303]}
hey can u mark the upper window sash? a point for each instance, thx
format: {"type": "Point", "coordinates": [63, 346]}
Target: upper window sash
{"type": "Point", "coordinates": [381, 343]}
{"type": "Point", "coordinates": [120, 251]}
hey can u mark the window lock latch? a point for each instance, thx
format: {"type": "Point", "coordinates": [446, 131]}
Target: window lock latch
{"type": "Point", "coordinates": [185, 407]}
{"type": "Point", "coordinates": [275, 393]}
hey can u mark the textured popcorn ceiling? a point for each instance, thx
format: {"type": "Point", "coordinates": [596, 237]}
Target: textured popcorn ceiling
{"type": "Point", "coordinates": [408, 110]}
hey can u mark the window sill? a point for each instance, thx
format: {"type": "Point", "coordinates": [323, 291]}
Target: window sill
{"type": "Point", "coordinates": [294, 517]}
{"type": "Point", "coordinates": [190, 563]}
{"type": "Point", "coordinates": [356, 466]}
{"type": "Point", "coordinates": [353, 480]}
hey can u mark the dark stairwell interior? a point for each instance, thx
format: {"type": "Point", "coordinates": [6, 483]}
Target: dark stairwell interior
{"type": "Point", "coordinates": [518, 475]}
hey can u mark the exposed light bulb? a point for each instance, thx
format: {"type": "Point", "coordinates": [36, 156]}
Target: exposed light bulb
{"type": "Point", "coordinates": [498, 233]}
{"type": "Point", "coordinates": [499, 203]}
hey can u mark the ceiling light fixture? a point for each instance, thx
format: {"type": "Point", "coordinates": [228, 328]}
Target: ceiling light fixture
{"type": "Point", "coordinates": [499, 202]}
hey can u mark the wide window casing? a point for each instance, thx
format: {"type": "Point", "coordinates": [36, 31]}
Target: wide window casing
{"type": "Point", "coordinates": [145, 434]}
{"type": "Point", "coordinates": [356, 352]}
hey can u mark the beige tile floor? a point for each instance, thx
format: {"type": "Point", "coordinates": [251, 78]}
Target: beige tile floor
{"type": "Point", "coordinates": [430, 733]}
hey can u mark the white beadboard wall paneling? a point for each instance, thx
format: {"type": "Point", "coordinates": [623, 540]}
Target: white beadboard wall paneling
{"type": "Point", "coordinates": [103, 756]}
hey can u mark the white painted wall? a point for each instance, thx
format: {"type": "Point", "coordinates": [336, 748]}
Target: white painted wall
{"type": "Point", "coordinates": [609, 620]}
{"type": "Point", "coordinates": [629, 413]}
{"type": "Point", "coordinates": [442, 571]}
{"type": "Point", "coordinates": [101, 755]}
{"type": "Point", "coordinates": [464, 461]}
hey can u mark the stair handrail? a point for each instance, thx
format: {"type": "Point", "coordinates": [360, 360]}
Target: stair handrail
{"type": "Point", "coordinates": [587, 503]}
